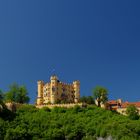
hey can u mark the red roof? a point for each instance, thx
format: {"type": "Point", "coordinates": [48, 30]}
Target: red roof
{"type": "Point", "coordinates": [112, 102]}
{"type": "Point", "coordinates": [125, 104]}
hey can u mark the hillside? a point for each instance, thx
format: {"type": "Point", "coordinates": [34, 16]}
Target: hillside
{"type": "Point", "coordinates": [67, 124]}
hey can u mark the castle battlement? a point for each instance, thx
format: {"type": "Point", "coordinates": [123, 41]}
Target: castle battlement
{"type": "Point", "coordinates": [56, 91]}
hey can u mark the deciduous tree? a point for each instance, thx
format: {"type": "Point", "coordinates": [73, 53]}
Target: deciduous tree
{"type": "Point", "coordinates": [132, 112]}
{"type": "Point", "coordinates": [17, 94]}
{"type": "Point", "coordinates": [1, 95]}
{"type": "Point", "coordinates": [87, 99]}
{"type": "Point", "coordinates": [100, 94]}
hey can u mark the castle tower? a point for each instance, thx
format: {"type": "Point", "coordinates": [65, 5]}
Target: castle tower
{"type": "Point", "coordinates": [76, 85]}
{"type": "Point", "coordinates": [53, 93]}
{"type": "Point", "coordinates": [40, 93]}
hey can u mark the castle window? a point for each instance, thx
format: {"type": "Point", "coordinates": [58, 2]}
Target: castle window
{"type": "Point", "coordinates": [63, 89]}
{"type": "Point", "coordinates": [48, 94]}
{"type": "Point", "coordinates": [63, 95]}
{"type": "Point", "coordinates": [45, 94]}
{"type": "Point", "coordinates": [53, 89]}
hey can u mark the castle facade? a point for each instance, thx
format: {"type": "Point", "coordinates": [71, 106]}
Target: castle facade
{"type": "Point", "coordinates": [56, 92]}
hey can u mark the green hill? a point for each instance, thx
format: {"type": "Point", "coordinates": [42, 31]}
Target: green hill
{"type": "Point", "coordinates": [68, 124]}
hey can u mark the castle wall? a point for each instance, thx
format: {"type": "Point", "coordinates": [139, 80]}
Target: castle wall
{"type": "Point", "coordinates": [61, 105]}
{"type": "Point", "coordinates": [56, 92]}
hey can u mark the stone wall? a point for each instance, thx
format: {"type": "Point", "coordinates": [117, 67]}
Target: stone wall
{"type": "Point", "coordinates": [61, 105]}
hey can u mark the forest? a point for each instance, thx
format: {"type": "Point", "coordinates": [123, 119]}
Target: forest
{"type": "Point", "coordinates": [78, 123]}
{"type": "Point", "coordinates": [30, 123]}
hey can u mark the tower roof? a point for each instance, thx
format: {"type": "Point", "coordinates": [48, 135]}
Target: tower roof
{"type": "Point", "coordinates": [54, 77]}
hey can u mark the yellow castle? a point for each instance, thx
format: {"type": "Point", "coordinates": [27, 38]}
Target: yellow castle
{"type": "Point", "coordinates": [56, 92]}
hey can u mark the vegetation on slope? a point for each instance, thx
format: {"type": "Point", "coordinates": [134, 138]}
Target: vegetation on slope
{"type": "Point", "coordinates": [30, 123]}
{"type": "Point", "coordinates": [68, 124]}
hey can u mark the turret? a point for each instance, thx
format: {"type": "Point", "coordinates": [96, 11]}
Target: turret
{"type": "Point", "coordinates": [54, 81]}
{"type": "Point", "coordinates": [76, 85]}
{"type": "Point", "coordinates": [119, 101]}
{"type": "Point", "coordinates": [54, 78]}
{"type": "Point", "coordinates": [40, 93]}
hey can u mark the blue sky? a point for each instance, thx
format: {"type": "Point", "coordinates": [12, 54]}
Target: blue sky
{"type": "Point", "coordinates": [96, 42]}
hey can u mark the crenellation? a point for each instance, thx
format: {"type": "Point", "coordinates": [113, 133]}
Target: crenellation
{"type": "Point", "coordinates": [56, 91]}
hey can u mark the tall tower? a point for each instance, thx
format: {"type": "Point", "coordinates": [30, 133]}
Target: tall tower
{"type": "Point", "coordinates": [40, 93]}
{"type": "Point", "coordinates": [76, 85]}
{"type": "Point", "coordinates": [53, 93]}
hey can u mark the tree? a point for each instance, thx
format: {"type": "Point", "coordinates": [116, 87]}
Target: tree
{"type": "Point", "coordinates": [83, 99]}
{"type": "Point", "coordinates": [90, 100]}
{"type": "Point", "coordinates": [100, 94]}
{"type": "Point", "coordinates": [132, 112]}
{"type": "Point", "coordinates": [2, 106]}
{"type": "Point", "coordinates": [1, 95]}
{"type": "Point", "coordinates": [10, 96]}
{"type": "Point", "coordinates": [17, 94]}
{"type": "Point", "coordinates": [87, 99]}
{"type": "Point", "coordinates": [22, 95]}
